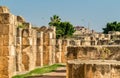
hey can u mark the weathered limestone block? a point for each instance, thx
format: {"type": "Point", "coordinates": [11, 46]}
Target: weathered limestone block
{"type": "Point", "coordinates": [46, 40]}
{"type": "Point", "coordinates": [5, 18]}
{"type": "Point", "coordinates": [33, 36]}
{"type": "Point", "coordinates": [20, 19]}
{"type": "Point", "coordinates": [25, 60]}
{"type": "Point", "coordinates": [7, 51]}
{"type": "Point", "coordinates": [6, 40]}
{"type": "Point", "coordinates": [1, 40]}
{"type": "Point", "coordinates": [33, 57]}
{"type": "Point", "coordinates": [19, 32]}
{"type": "Point", "coordinates": [38, 57]}
{"type": "Point", "coordinates": [93, 69]}
{"type": "Point", "coordinates": [19, 65]}
{"type": "Point", "coordinates": [53, 31]}
{"type": "Point", "coordinates": [45, 55]}
{"type": "Point", "coordinates": [27, 25]}
{"type": "Point", "coordinates": [4, 9]}
{"type": "Point", "coordinates": [58, 51]}
{"type": "Point", "coordinates": [4, 29]}
{"type": "Point", "coordinates": [7, 67]}
{"type": "Point", "coordinates": [43, 28]}
{"type": "Point", "coordinates": [29, 57]}
{"type": "Point", "coordinates": [51, 55]}
{"type": "Point", "coordinates": [53, 52]}
{"type": "Point", "coordinates": [41, 55]}
{"type": "Point", "coordinates": [25, 41]}
{"type": "Point", "coordinates": [93, 52]}
{"type": "Point", "coordinates": [25, 33]}
{"type": "Point", "coordinates": [58, 57]}
{"type": "Point", "coordinates": [64, 50]}
{"type": "Point", "coordinates": [53, 42]}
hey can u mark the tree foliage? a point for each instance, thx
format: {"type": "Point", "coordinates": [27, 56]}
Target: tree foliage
{"type": "Point", "coordinates": [113, 26]}
{"type": "Point", "coordinates": [63, 29]}
{"type": "Point", "coordinates": [54, 20]}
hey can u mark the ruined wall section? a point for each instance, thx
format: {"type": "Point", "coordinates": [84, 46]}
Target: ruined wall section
{"type": "Point", "coordinates": [45, 38]}
{"type": "Point", "coordinates": [25, 46]}
{"type": "Point", "coordinates": [93, 69]}
{"type": "Point", "coordinates": [61, 50]}
{"type": "Point", "coordinates": [48, 46]}
{"type": "Point", "coordinates": [94, 52]}
{"type": "Point", "coordinates": [7, 43]}
{"type": "Point", "coordinates": [22, 47]}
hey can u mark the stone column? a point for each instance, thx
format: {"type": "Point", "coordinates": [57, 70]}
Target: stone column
{"type": "Point", "coordinates": [19, 67]}
{"type": "Point", "coordinates": [58, 51]}
{"type": "Point", "coordinates": [64, 51]}
{"type": "Point", "coordinates": [33, 44]}
{"type": "Point", "coordinates": [46, 49]}
{"type": "Point", "coordinates": [39, 54]}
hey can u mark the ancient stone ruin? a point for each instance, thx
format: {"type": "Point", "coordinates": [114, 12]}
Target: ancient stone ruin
{"type": "Point", "coordinates": [93, 52]}
{"type": "Point", "coordinates": [93, 69]}
{"type": "Point", "coordinates": [23, 47]}
{"type": "Point", "coordinates": [90, 62]}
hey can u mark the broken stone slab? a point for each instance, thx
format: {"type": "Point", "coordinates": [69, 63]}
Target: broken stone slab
{"type": "Point", "coordinates": [93, 69]}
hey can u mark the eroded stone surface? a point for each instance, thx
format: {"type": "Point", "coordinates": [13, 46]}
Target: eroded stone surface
{"type": "Point", "coordinates": [93, 52]}
{"type": "Point", "coordinates": [93, 69]}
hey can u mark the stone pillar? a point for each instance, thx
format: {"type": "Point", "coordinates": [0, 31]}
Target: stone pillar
{"type": "Point", "coordinates": [7, 43]}
{"type": "Point", "coordinates": [64, 51]}
{"type": "Point", "coordinates": [33, 44]}
{"type": "Point", "coordinates": [19, 65]}
{"type": "Point", "coordinates": [39, 54]}
{"type": "Point", "coordinates": [26, 49]}
{"type": "Point", "coordinates": [93, 69]}
{"type": "Point", "coordinates": [52, 35]}
{"type": "Point", "coordinates": [58, 52]}
{"type": "Point", "coordinates": [46, 47]}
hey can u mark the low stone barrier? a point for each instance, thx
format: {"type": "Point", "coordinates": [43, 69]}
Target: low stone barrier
{"type": "Point", "coordinates": [110, 52]}
{"type": "Point", "coordinates": [93, 69]}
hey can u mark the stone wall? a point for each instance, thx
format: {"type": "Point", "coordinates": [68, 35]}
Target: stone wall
{"type": "Point", "coordinates": [93, 69]}
{"type": "Point", "coordinates": [23, 47]}
{"type": "Point", "coordinates": [7, 43]}
{"type": "Point", "coordinates": [93, 52]}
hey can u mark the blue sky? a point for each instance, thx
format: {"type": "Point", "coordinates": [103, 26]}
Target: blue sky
{"type": "Point", "coordinates": [89, 13]}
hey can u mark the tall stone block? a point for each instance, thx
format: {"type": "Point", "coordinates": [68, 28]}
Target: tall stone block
{"type": "Point", "coordinates": [64, 50]}
{"type": "Point", "coordinates": [39, 54]}
{"type": "Point", "coordinates": [7, 47]}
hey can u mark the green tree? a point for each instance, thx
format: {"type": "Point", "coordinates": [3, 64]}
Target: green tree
{"type": "Point", "coordinates": [113, 26]}
{"type": "Point", "coordinates": [63, 29]}
{"type": "Point", "coordinates": [54, 20]}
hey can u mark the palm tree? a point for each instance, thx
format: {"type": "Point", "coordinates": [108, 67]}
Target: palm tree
{"type": "Point", "coordinates": [54, 19]}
